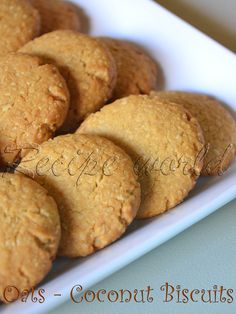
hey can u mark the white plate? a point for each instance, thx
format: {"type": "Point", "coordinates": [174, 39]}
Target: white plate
{"type": "Point", "coordinates": [190, 61]}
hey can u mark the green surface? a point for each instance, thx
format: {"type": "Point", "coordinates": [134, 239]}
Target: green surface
{"type": "Point", "coordinates": [200, 257]}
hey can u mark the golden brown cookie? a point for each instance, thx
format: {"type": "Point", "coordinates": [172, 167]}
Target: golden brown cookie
{"type": "Point", "coordinates": [19, 23]}
{"type": "Point", "coordinates": [218, 125]}
{"type": "Point", "coordinates": [29, 234]}
{"type": "Point", "coordinates": [57, 14]}
{"type": "Point", "coordinates": [87, 66]}
{"type": "Point", "coordinates": [165, 143]}
{"type": "Point", "coordinates": [94, 185]}
{"type": "Point", "coordinates": [34, 102]}
{"type": "Point", "coordinates": [136, 71]}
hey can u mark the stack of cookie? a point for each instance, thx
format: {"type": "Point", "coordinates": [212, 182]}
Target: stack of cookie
{"type": "Point", "coordinates": [86, 143]}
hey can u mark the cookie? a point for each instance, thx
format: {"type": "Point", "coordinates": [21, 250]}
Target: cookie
{"type": "Point", "coordinates": [57, 14]}
{"type": "Point", "coordinates": [164, 141]}
{"type": "Point", "coordinates": [94, 185]}
{"type": "Point", "coordinates": [87, 66]}
{"type": "Point", "coordinates": [34, 102]}
{"type": "Point", "coordinates": [218, 125]}
{"type": "Point", "coordinates": [136, 71]}
{"type": "Point", "coordinates": [19, 23]}
{"type": "Point", "coordinates": [29, 234]}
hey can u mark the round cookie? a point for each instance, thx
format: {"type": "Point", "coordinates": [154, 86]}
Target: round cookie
{"type": "Point", "coordinates": [94, 185]}
{"type": "Point", "coordinates": [136, 71]}
{"type": "Point", "coordinates": [218, 125]}
{"type": "Point", "coordinates": [57, 14]}
{"type": "Point", "coordinates": [87, 66]}
{"type": "Point", "coordinates": [34, 102]}
{"type": "Point", "coordinates": [29, 234]}
{"type": "Point", "coordinates": [164, 141]}
{"type": "Point", "coordinates": [19, 23]}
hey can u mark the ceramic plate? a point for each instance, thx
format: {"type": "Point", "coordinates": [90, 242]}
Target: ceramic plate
{"type": "Point", "coordinates": [190, 61]}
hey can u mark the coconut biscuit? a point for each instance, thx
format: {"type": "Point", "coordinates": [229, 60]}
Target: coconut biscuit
{"type": "Point", "coordinates": [29, 234]}
{"type": "Point", "coordinates": [34, 102]}
{"type": "Point", "coordinates": [19, 23]}
{"type": "Point", "coordinates": [164, 141]}
{"type": "Point", "coordinates": [57, 14]}
{"type": "Point", "coordinates": [87, 66]}
{"type": "Point", "coordinates": [94, 185]}
{"type": "Point", "coordinates": [218, 125]}
{"type": "Point", "coordinates": [136, 72]}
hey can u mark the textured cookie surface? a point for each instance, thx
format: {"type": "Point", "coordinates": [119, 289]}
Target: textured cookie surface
{"type": "Point", "coordinates": [218, 125]}
{"type": "Point", "coordinates": [136, 71]}
{"type": "Point", "coordinates": [19, 23]}
{"type": "Point", "coordinates": [94, 184]}
{"type": "Point", "coordinates": [57, 14]}
{"type": "Point", "coordinates": [85, 63]}
{"type": "Point", "coordinates": [164, 141]}
{"type": "Point", "coordinates": [34, 102]}
{"type": "Point", "coordinates": [29, 234]}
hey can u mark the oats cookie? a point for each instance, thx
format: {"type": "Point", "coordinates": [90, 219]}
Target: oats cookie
{"type": "Point", "coordinates": [29, 234]}
{"type": "Point", "coordinates": [19, 23]}
{"type": "Point", "coordinates": [136, 71]}
{"type": "Point", "coordinates": [218, 126]}
{"type": "Point", "coordinates": [57, 14]}
{"type": "Point", "coordinates": [164, 141]}
{"type": "Point", "coordinates": [87, 66]}
{"type": "Point", "coordinates": [94, 185]}
{"type": "Point", "coordinates": [34, 102]}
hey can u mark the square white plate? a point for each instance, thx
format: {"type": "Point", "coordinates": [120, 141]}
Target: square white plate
{"type": "Point", "coordinates": [190, 61]}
